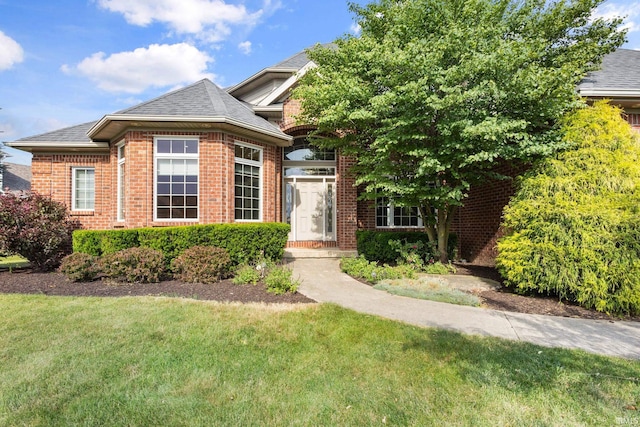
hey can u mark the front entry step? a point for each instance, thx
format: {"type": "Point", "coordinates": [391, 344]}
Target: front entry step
{"type": "Point", "coordinates": [294, 253]}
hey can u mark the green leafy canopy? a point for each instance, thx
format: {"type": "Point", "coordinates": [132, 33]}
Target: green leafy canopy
{"type": "Point", "coordinates": [433, 94]}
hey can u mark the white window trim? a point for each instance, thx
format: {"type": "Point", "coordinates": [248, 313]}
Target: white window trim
{"type": "Point", "coordinates": [156, 157]}
{"type": "Point", "coordinates": [120, 213]}
{"type": "Point", "coordinates": [259, 164]}
{"type": "Point", "coordinates": [390, 207]}
{"type": "Point", "coordinates": [74, 169]}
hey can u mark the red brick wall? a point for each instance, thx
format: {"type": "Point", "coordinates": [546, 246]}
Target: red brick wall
{"type": "Point", "coordinates": [477, 223]}
{"type": "Point", "coordinates": [347, 206]}
{"type": "Point", "coordinates": [52, 176]}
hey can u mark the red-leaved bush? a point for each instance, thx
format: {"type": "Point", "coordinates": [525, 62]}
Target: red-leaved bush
{"type": "Point", "coordinates": [35, 227]}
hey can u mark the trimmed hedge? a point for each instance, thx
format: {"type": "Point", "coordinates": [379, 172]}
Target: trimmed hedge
{"type": "Point", "coordinates": [104, 242]}
{"type": "Point", "coordinates": [374, 245]}
{"type": "Point", "coordinates": [245, 243]}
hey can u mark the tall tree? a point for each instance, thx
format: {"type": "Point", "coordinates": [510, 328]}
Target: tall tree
{"type": "Point", "coordinates": [434, 93]}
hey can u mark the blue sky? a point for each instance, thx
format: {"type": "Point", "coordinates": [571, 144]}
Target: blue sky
{"type": "Point", "coordinates": [67, 62]}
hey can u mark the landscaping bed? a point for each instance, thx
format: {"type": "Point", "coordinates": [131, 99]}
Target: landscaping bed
{"type": "Point", "coordinates": [505, 299]}
{"type": "Point", "coordinates": [25, 281]}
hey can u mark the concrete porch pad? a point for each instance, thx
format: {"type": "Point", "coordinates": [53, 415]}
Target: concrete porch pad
{"type": "Point", "coordinates": [297, 253]}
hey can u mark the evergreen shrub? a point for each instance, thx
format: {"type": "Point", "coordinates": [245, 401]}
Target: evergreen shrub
{"type": "Point", "coordinates": [134, 265]}
{"type": "Point", "coordinates": [245, 243]}
{"type": "Point", "coordinates": [374, 244]}
{"type": "Point", "coordinates": [80, 267]}
{"type": "Point", "coordinates": [201, 264]}
{"type": "Point", "coordinates": [573, 226]}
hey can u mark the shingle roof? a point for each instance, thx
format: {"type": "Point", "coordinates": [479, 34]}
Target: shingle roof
{"type": "Point", "coordinates": [620, 71]}
{"type": "Point", "coordinates": [77, 133]}
{"type": "Point", "coordinates": [201, 99]}
{"type": "Point", "coordinates": [300, 59]}
{"type": "Point", "coordinates": [16, 177]}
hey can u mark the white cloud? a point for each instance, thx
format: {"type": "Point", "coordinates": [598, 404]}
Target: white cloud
{"type": "Point", "coordinates": [11, 52]}
{"type": "Point", "coordinates": [613, 10]}
{"type": "Point", "coordinates": [245, 47]}
{"type": "Point", "coordinates": [209, 20]}
{"type": "Point", "coordinates": [356, 29]}
{"type": "Point", "coordinates": [156, 66]}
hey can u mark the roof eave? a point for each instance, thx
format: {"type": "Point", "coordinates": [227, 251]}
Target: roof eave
{"type": "Point", "coordinates": [101, 132]}
{"type": "Point", "coordinates": [48, 146]}
{"type": "Point", "coordinates": [260, 74]}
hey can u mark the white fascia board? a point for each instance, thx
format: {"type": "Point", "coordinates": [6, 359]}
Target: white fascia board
{"type": "Point", "coordinates": [258, 75]}
{"type": "Point", "coordinates": [288, 84]}
{"type": "Point", "coordinates": [613, 93]}
{"type": "Point", "coordinates": [29, 145]}
{"type": "Point", "coordinates": [190, 119]}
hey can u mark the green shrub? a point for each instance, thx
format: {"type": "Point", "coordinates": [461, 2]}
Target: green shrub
{"type": "Point", "coordinates": [438, 268]}
{"type": "Point", "coordinates": [134, 265]}
{"type": "Point", "coordinates": [80, 267]}
{"type": "Point", "coordinates": [247, 274]}
{"type": "Point", "coordinates": [374, 245]}
{"type": "Point", "coordinates": [201, 264]}
{"type": "Point", "coordinates": [102, 242]}
{"type": "Point", "coordinates": [573, 227]}
{"type": "Point", "coordinates": [371, 272]}
{"type": "Point", "coordinates": [36, 228]}
{"type": "Point", "coordinates": [245, 243]}
{"type": "Point", "coordinates": [279, 280]}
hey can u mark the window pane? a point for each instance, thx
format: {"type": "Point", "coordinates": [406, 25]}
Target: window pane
{"type": "Point", "coordinates": [191, 146]}
{"type": "Point", "coordinates": [177, 146]}
{"type": "Point", "coordinates": [164, 167]}
{"type": "Point", "coordinates": [163, 146]}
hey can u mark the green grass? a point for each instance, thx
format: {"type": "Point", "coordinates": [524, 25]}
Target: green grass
{"type": "Point", "coordinates": [428, 288]}
{"type": "Point", "coordinates": [160, 361]}
{"type": "Point", "coordinates": [13, 261]}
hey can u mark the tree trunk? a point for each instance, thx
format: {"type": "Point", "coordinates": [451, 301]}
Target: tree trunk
{"type": "Point", "coordinates": [445, 218]}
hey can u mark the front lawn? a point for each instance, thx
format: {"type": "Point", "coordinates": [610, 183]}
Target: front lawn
{"type": "Point", "coordinates": [160, 361]}
{"type": "Point", "coordinates": [13, 261]}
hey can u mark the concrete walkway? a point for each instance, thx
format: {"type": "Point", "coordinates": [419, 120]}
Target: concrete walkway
{"type": "Point", "coordinates": [323, 281]}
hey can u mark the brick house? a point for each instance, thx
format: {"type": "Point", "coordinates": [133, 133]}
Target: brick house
{"type": "Point", "coordinates": [202, 154]}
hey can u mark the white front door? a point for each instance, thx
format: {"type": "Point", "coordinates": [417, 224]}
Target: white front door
{"type": "Point", "coordinates": [310, 206]}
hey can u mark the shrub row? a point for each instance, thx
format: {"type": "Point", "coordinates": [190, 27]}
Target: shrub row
{"type": "Point", "coordinates": [245, 243]}
{"type": "Point", "coordinates": [374, 245]}
{"type": "Point", "coordinates": [198, 264]}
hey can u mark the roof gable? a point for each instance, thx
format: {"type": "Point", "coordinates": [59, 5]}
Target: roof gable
{"type": "Point", "coordinates": [202, 99]}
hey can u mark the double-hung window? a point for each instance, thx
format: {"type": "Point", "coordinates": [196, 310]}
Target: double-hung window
{"type": "Point", "coordinates": [389, 215]}
{"type": "Point", "coordinates": [248, 182]}
{"type": "Point", "coordinates": [121, 182]}
{"type": "Point", "coordinates": [83, 191]}
{"type": "Point", "coordinates": [177, 178]}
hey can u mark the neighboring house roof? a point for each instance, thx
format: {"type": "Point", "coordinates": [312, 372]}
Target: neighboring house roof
{"type": "Point", "coordinates": [16, 177]}
{"type": "Point", "coordinates": [618, 79]}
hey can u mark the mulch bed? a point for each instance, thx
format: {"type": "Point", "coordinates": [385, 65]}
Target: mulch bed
{"type": "Point", "coordinates": [505, 299]}
{"type": "Point", "coordinates": [28, 282]}
{"type": "Point", "coordinates": [24, 281]}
